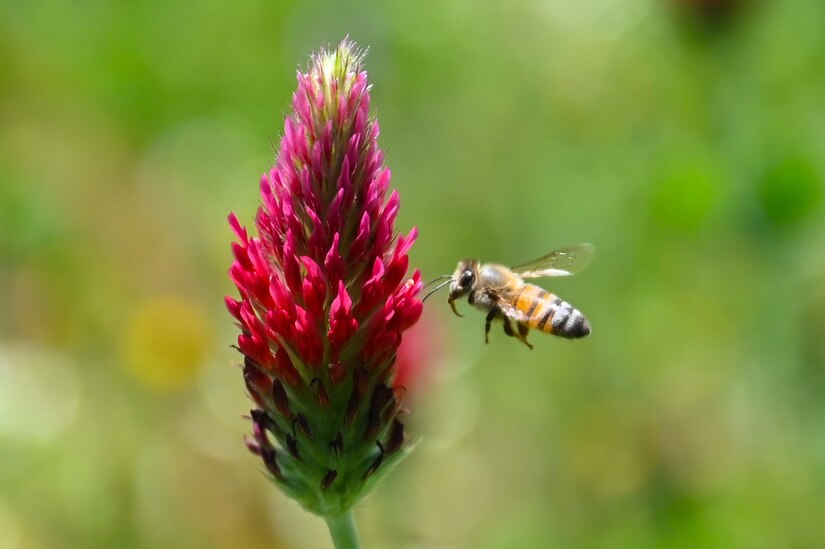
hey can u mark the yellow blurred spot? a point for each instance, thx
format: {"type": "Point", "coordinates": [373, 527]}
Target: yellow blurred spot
{"type": "Point", "coordinates": [166, 341]}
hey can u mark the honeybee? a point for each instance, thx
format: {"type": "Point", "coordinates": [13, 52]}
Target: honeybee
{"type": "Point", "coordinates": [502, 292]}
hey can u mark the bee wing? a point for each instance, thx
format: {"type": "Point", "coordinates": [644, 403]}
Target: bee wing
{"type": "Point", "coordinates": [562, 262]}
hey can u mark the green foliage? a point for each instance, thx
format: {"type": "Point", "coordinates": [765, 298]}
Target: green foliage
{"type": "Point", "coordinates": [790, 192]}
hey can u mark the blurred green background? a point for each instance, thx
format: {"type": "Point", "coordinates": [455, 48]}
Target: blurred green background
{"type": "Point", "coordinates": [685, 138]}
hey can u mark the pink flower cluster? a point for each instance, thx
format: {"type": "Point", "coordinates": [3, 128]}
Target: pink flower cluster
{"type": "Point", "coordinates": [322, 285]}
{"type": "Point", "coordinates": [326, 241]}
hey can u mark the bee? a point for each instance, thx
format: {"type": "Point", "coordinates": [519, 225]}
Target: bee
{"type": "Point", "coordinates": [502, 292]}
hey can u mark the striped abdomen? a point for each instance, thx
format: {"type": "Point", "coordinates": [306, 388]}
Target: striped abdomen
{"type": "Point", "coordinates": [547, 312]}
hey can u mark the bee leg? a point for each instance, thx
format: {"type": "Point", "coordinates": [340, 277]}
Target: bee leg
{"type": "Point", "coordinates": [523, 330]}
{"type": "Point", "coordinates": [508, 328]}
{"type": "Point", "coordinates": [490, 317]}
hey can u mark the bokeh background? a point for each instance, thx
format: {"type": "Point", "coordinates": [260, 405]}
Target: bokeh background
{"type": "Point", "coordinates": [685, 138]}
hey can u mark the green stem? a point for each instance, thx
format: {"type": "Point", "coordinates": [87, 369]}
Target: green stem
{"type": "Point", "coordinates": [342, 531]}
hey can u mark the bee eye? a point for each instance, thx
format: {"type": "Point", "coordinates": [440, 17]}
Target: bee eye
{"type": "Point", "coordinates": [466, 278]}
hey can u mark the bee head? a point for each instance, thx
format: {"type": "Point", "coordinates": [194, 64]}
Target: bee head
{"type": "Point", "coordinates": [464, 278]}
{"type": "Point", "coordinates": [462, 281]}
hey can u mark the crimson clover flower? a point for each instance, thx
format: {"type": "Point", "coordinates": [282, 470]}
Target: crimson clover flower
{"type": "Point", "coordinates": [325, 298]}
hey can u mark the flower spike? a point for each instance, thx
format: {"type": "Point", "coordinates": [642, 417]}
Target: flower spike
{"type": "Point", "coordinates": [325, 296]}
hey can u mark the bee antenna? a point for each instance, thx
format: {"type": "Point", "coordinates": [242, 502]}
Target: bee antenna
{"type": "Point", "coordinates": [436, 289]}
{"type": "Point", "coordinates": [436, 279]}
